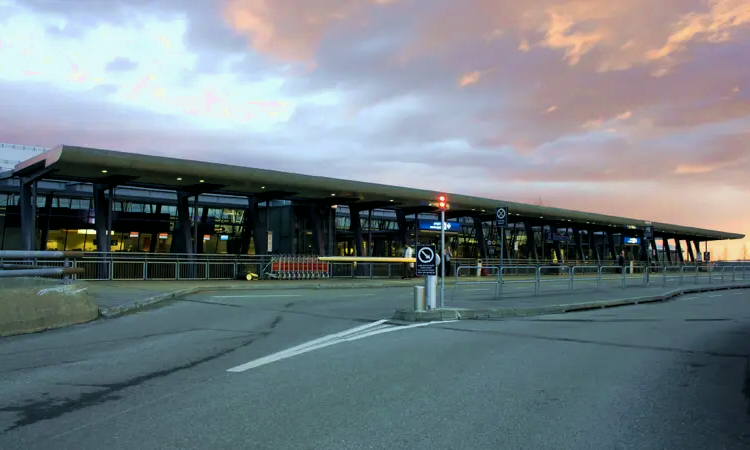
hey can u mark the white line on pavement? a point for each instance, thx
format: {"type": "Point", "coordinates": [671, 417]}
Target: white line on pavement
{"type": "Point", "coordinates": [256, 296]}
{"type": "Point", "coordinates": [352, 334]}
{"type": "Point", "coordinates": [690, 298]}
{"type": "Point", "coordinates": [717, 295]}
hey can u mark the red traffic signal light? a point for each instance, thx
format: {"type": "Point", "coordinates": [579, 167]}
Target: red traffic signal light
{"type": "Point", "coordinates": [442, 202]}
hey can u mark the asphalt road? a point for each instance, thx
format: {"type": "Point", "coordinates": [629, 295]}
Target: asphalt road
{"type": "Point", "coordinates": [660, 376]}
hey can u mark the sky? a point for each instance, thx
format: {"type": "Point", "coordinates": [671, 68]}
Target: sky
{"type": "Point", "coordinates": [632, 108]}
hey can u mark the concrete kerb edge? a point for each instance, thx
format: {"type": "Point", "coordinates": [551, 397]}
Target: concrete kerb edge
{"type": "Point", "coordinates": [477, 314]}
{"type": "Point", "coordinates": [122, 309]}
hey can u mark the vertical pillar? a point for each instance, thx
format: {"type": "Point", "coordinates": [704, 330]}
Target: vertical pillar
{"type": "Point", "coordinates": [698, 250]}
{"type": "Point", "coordinates": [678, 247]}
{"type": "Point", "coordinates": [481, 243]}
{"type": "Point", "coordinates": [643, 249]}
{"type": "Point", "coordinates": [594, 246]}
{"type": "Point", "coordinates": [331, 231]}
{"type": "Point", "coordinates": [530, 241]}
{"type": "Point", "coordinates": [47, 219]}
{"type": "Point", "coordinates": [690, 250]}
{"type": "Point", "coordinates": [402, 227]}
{"type": "Point", "coordinates": [579, 245]}
{"type": "Point", "coordinates": [181, 238]}
{"type": "Point", "coordinates": [355, 226]}
{"type": "Point", "coordinates": [416, 231]}
{"type": "Point", "coordinates": [611, 245]}
{"type": "Point", "coordinates": [101, 213]}
{"type": "Point", "coordinates": [558, 251]}
{"type": "Point", "coordinates": [154, 229]}
{"type": "Point", "coordinates": [316, 222]}
{"type": "Point", "coordinates": [667, 250]}
{"type": "Point", "coordinates": [654, 250]}
{"type": "Point", "coordinates": [201, 230]}
{"type": "Point", "coordinates": [27, 203]}
{"type": "Point", "coordinates": [369, 233]}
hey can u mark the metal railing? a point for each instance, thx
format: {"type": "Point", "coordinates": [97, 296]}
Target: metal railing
{"type": "Point", "coordinates": [25, 266]}
{"type": "Point", "coordinates": [171, 266]}
{"type": "Point", "coordinates": [599, 277]}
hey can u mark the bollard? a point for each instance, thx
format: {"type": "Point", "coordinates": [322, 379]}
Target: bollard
{"type": "Point", "coordinates": [431, 291]}
{"type": "Point", "coordinates": [479, 267]}
{"type": "Point", "coordinates": [419, 298]}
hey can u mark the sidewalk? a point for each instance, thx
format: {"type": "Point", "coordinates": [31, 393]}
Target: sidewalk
{"type": "Point", "coordinates": [556, 303]}
{"type": "Point", "coordinates": [117, 297]}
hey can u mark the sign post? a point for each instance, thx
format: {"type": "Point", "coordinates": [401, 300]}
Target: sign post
{"type": "Point", "coordinates": [442, 205]}
{"type": "Point", "coordinates": [648, 235]}
{"type": "Point", "coordinates": [501, 221]}
{"type": "Point", "coordinates": [425, 267]}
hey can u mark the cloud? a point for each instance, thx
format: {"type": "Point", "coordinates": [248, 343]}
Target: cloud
{"type": "Point", "coordinates": [575, 99]}
{"type": "Point", "coordinates": [120, 64]}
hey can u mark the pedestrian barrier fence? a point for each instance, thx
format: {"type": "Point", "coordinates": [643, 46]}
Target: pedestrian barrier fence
{"type": "Point", "coordinates": [598, 276]}
{"type": "Point", "coordinates": [474, 269]}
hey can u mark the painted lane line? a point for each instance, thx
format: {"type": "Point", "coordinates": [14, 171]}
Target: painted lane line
{"type": "Point", "coordinates": [256, 296]}
{"type": "Point", "coordinates": [690, 298]}
{"type": "Point", "coordinates": [717, 295]}
{"type": "Point", "coordinates": [350, 335]}
{"type": "Point", "coordinates": [334, 336]}
{"type": "Point", "coordinates": [305, 347]}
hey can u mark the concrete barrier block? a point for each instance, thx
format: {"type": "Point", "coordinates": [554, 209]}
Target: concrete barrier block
{"type": "Point", "coordinates": [31, 305]}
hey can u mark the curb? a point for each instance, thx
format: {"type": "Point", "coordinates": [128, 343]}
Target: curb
{"type": "Point", "coordinates": [115, 311]}
{"type": "Point", "coordinates": [409, 315]}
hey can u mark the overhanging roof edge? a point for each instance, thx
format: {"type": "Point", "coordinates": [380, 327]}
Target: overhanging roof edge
{"type": "Point", "coordinates": [82, 157]}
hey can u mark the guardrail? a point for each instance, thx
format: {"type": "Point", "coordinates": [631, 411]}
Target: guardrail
{"type": "Point", "coordinates": [29, 269]}
{"type": "Point", "coordinates": [599, 276]}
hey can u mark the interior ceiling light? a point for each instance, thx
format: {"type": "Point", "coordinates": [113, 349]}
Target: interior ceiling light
{"type": "Point", "coordinates": [179, 179]}
{"type": "Point", "coordinates": [104, 171]}
{"type": "Point", "coordinates": [202, 181]}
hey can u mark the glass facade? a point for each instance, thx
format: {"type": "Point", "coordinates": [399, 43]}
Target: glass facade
{"type": "Point", "coordinates": [67, 224]}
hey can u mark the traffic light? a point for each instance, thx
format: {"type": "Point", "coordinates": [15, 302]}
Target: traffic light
{"type": "Point", "coordinates": [442, 202]}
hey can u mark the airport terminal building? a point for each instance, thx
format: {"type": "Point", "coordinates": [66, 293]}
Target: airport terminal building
{"type": "Point", "coordinates": [94, 200]}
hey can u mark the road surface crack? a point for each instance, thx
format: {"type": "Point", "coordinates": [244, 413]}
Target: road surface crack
{"type": "Point", "coordinates": [33, 411]}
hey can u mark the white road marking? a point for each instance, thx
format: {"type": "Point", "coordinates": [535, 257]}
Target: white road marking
{"type": "Point", "coordinates": [690, 298]}
{"type": "Point", "coordinates": [477, 289]}
{"type": "Point", "coordinates": [717, 295]}
{"type": "Point", "coordinates": [355, 295]}
{"type": "Point", "coordinates": [352, 334]}
{"type": "Point", "coordinates": [256, 296]}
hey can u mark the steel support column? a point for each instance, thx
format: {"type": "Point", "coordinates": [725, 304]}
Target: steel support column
{"type": "Point", "coordinates": [47, 219]}
{"type": "Point", "coordinates": [698, 253]}
{"type": "Point", "coordinates": [594, 246]}
{"type": "Point", "coordinates": [27, 203]}
{"type": "Point", "coordinates": [316, 222]}
{"type": "Point", "coordinates": [690, 250]}
{"type": "Point", "coordinates": [355, 226]}
{"type": "Point", "coordinates": [611, 245]}
{"type": "Point", "coordinates": [531, 241]}
{"type": "Point", "coordinates": [667, 249]}
{"type": "Point", "coordinates": [479, 234]}
{"type": "Point", "coordinates": [403, 230]}
{"type": "Point", "coordinates": [154, 229]}
{"type": "Point", "coordinates": [654, 250]}
{"type": "Point", "coordinates": [101, 216]}
{"type": "Point", "coordinates": [678, 247]}
{"type": "Point", "coordinates": [579, 245]}
{"type": "Point", "coordinates": [181, 239]}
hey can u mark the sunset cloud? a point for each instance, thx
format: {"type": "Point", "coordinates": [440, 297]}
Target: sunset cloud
{"type": "Point", "coordinates": [632, 108]}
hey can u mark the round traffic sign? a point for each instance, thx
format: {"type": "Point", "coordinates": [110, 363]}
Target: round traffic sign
{"type": "Point", "coordinates": [500, 213]}
{"type": "Point", "coordinates": [425, 255]}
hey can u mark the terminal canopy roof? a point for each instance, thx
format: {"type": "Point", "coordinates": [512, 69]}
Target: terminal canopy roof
{"type": "Point", "coordinates": [113, 167]}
